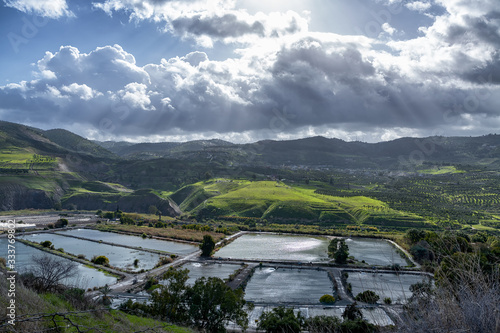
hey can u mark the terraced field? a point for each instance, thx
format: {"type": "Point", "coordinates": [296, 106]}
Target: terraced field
{"type": "Point", "coordinates": [280, 202]}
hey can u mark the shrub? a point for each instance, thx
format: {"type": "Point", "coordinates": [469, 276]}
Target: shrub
{"type": "Point", "coordinates": [163, 261]}
{"type": "Point", "coordinates": [327, 299]}
{"type": "Point", "coordinates": [322, 324]}
{"type": "Point", "coordinates": [387, 300]}
{"type": "Point", "coordinates": [46, 244]}
{"type": "Point", "coordinates": [280, 320]}
{"type": "Point", "coordinates": [150, 283]}
{"type": "Point", "coordinates": [100, 260]}
{"type": "Point", "coordinates": [61, 223]}
{"type": "Point", "coordinates": [81, 256]}
{"type": "Point", "coordinates": [367, 296]}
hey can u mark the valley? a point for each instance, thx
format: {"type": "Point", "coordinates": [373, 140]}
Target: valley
{"type": "Point", "coordinates": [135, 216]}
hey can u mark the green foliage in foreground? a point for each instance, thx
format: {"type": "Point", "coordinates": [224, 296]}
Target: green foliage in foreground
{"type": "Point", "coordinates": [367, 296]}
{"type": "Point", "coordinates": [284, 320]}
{"type": "Point", "coordinates": [69, 311]}
{"type": "Point", "coordinates": [281, 320]}
{"type": "Point", "coordinates": [208, 305]}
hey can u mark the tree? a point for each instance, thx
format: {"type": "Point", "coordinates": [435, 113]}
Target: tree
{"type": "Point", "coordinates": [367, 296]}
{"type": "Point", "coordinates": [413, 236]}
{"type": "Point", "coordinates": [47, 272]}
{"type": "Point", "coordinates": [100, 260]}
{"type": "Point", "coordinates": [338, 250]}
{"type": "Point", "coordinates": [209, 304]}
{"type": "Point", "coordinates": [105, 292]}
{"type": "Point", "coordinates": [322, 324]}
{"type": "Point", "coordinates": [207, 246]}
{"type": "Point", "coordinates": [168, 301]}
{"type": "Point", "coordinates": [280, 320]}
{"type": "Point", "coordinates": [352, 312]}
{"type": "Point", "coordinates": [212, 304]}
{"type": "Point", "coordinates": [152, 210]}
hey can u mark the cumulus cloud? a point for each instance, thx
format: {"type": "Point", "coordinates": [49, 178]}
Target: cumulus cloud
{"type": "Point", "coordinates": [420, 6]}
{"type": "Point", "coordinates": [304, 83]}
{"type": "Point", "coordinates": [48, 8]}
{"type": "Point", "coordinates": [388, 29]}
{"type": "Point", "coordinates": [208, 21]}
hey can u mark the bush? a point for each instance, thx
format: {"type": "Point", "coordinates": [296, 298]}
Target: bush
{"type": "Point", "coordinates": [163, 261]}
{"type": "Point", "coordinates": [367, 296]}
{"type": "Point", "coordinates": [46, 244]}
{"type": "Point", "coordinates": [357, 326]}
{"type": "Point", "coordinates": [61, 223]}
{"type": "Point", "coordinates": [387, 300]}
{"type": "Point", "coordinates": [100, 260]}
{"type": "Point", "coordinates": [81, 256]}
{"type": "Point", "coordinates": [280, 320]}
{"type": "Point", "coordinates": [327, 299]}
{"type": "Point", "coordinates": [322, 324]}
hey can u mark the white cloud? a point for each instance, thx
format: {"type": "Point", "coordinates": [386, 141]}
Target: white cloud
{"type": "Point", "coordinates": [80, 90]}
{"type": "Point", "coordinates": [209, 21]}
{"type": "Point", "coordinates": [303, 83]}
{"type": "Point", "coordinates": [48, 8]}
{"type": "Point", "coordinates": [388, 29]}
{"type": "Point", "coordinates": [420, 6]}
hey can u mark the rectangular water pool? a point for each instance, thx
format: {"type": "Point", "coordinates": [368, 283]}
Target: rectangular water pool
{"type": "Point", "coordinates": [121, 257]}
{"type": "Point", "coordinates": [85, 278]}
{"type": "Point", "coordinates": [135, 241]}
{"type": "Point", "coordinates": [276, 247]}
{"type": "Point", "coordinates": [285, 285]}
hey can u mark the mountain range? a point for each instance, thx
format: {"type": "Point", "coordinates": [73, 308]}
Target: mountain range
{"type": "Point", "coordinates": [57, 168]}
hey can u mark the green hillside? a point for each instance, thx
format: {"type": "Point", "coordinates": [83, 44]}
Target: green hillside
{"type": "Point", "coordinates": [76, 143]}
{"type": "Point", "coordinates": [277, 201]}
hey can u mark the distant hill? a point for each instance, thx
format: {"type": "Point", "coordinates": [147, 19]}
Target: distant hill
{"type": "Point", "coordinates": [20, 136]}
{"type": "Point", "coordinates": [162, 149]}
{"type": "Point", "coordinates": [318, 151]}
{"type": "Point", "coordinates": [76, 143]}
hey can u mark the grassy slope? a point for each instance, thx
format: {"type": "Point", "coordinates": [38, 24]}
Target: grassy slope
{"type": "Point", "coordinates": [277, 200]}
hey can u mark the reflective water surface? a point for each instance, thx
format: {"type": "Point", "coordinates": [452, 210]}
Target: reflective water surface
{"type": "Point", "coordinates": [135, 241]}
{"type": "Point", "coordinates": [276, 247]}
{"type": "Point", "coordinates": [197, 270]}
{"type": "Point", "coordinates": [118, 256]}
{"type": "Point", "coordinates": [396, 287]}
{"type": "Point", "coordinates": [374, 251]}
{"type": "Point", "coordinates": [85, 278]}
{"type": "Point", "coordinates": [285, 285]}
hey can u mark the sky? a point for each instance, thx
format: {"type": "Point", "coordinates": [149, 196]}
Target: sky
{"type": "Point", "coordinates": [248, 70]}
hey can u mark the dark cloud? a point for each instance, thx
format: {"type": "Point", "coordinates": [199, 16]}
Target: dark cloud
{"type": "Point", "coordinates": [446, 78]}
{"type": "Point", "coordinates": [228, 25]}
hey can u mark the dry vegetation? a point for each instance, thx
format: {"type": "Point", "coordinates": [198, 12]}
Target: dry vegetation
{"type": "Point", "coordinates": [168, 232]}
